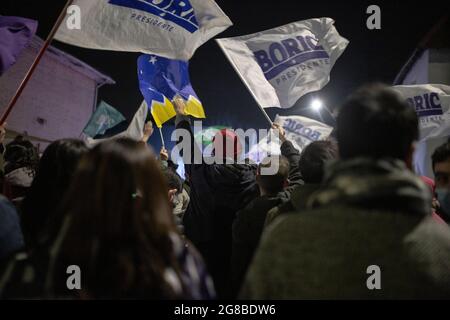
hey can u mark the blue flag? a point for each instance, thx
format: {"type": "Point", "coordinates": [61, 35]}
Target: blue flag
{"type": "Point", "coordinates": [160, 80]}
{"type": "Point", "coordinates": [105, 117]}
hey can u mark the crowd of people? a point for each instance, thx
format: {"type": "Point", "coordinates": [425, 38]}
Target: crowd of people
{"type": "Point", "coordinates": [311, 230]}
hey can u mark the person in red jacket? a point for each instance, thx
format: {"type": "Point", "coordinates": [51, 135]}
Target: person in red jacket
{"type": "Point", "coordinates": [435, 203]}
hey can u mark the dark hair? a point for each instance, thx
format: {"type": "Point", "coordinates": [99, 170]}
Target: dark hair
{"type": "Point", "coordinates": [273, 184]}
{"type": "Point", "coordinates": [376, 122]}
{"type": "Point", "coordinates": [173, 179]}
{"type": "Point", "coordinates": [441, 154]}
{"type": "Point", "coordinates": [118, 225]}
{"type": "Point", "coordinates": [20, 153]}
{"type": "Point", "coordinates": [314, 157]}
{"type": "Point", "coordinates": [53, 178]}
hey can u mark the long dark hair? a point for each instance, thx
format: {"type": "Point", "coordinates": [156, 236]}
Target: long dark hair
{"type": "Point", "coordinates": [119, 225]}
{"type": "Point", "coordinates": [53, 177]}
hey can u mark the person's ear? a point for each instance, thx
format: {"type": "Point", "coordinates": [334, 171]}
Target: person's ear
{"type": "Point", "coordinates": [410, 156]}
{"type": "Point", "coordinates": [172, 193]}
{"type": "Point", "coordinates": [286, 183]}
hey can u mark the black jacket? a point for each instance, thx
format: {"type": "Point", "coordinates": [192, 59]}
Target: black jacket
{"type": "Point", "coordinates": [297, 203]}
{"type": "Point", "coordinates": [217, 192]}
{"type": "Point", "coordinates": [249, 223]}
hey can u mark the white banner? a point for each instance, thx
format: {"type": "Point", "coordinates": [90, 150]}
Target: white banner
{"type": "Point", "coordinates": [170, 28]}
{"type": "Point", "coordinates": [281, 65]}
{"type": "Point", "coordinates": [432, 104]}
{"type": "Point", "coordinates": [301, 131]}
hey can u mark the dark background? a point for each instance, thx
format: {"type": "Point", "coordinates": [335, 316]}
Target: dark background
{"type": "Point", "coordinates": [376, 55]}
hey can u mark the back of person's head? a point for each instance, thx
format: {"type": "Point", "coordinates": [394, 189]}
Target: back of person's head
{"type": "Point", "coordinates": [441, 154]}
{"type": "Point", "coordinates": [119, 224]}
{"type": "Point", "coordinates": [173, 180]}
{"type": "Point", "coordinates": [174, 183]}
{"type": "Point", "coordinates": [53, 177]}
{"type": "Point", "coordinates": [313, 160]}
{"type": "Point", "coordinates": [226, 144]}
{"type": "Point", "coordinates": [272, 175]}
{"type": "Point", "coordinates": [20, 162]}
{"type": "Point", "coordinates": [376, 122]}
{"type": "Point", "coordinates": [20, 153]}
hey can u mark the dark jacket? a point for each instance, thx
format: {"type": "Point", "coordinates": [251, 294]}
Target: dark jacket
{"type": "Point", "coordinates": [249, 223]}
{"type": "Point", "coordinates": [11, 238]}
{"type": "Point", "coordinates": [371, 213]}
{"type": "Point", "coordinates": [297, 202]}
{"type": "Point", "coordinates": [217, 192]}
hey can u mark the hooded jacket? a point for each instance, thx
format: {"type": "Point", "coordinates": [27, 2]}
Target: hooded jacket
{"type": "Point", "coordinates": [217, 192]}
{"type": "Point", "coordinates": [372, 220]}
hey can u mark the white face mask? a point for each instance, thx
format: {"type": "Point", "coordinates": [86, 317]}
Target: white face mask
{"type": "Point", "coordinates": [443, 196]}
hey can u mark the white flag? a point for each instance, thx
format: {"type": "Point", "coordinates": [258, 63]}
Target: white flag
{"type": "Point", "coordinates": [170, 28]}
{"type": "Point", "coordinates": [301, 131]}
{"type": "Point", "coordinates": [281, 65]}
{"type": "Point", "coordinates": [432, 104]}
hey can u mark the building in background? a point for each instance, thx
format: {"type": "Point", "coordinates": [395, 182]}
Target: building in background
{"type": "Point", "coordinates": [430, 63]}
{"type": "Point", "coordinates": [58, 100]}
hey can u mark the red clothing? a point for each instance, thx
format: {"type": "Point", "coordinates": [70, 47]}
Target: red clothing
{"type": "Point", "coordinates": [430, 182]}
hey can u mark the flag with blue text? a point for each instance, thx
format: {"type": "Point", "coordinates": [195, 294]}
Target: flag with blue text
{"type": "Point", "coordinates": [160, 80]}
{"type": "Point", "coordinates": [169, 28]}
{"type": "Point", "coordinates": [301, 131]}
{"type": "Point", "coordinates": [282, 64]}
{"type": "Point", "coordinates": [432, 105]}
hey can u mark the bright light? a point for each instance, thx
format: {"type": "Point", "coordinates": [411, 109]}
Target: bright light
{"type": "Point", "coordinates": [316, 105]}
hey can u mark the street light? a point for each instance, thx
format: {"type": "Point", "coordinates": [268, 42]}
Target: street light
{"type": "Point", "coordinates": [316, 105]}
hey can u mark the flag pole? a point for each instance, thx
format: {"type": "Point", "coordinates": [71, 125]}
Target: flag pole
{"type": "Point", "coordinates": [162, 138]}
{"type": "Point", "coordinates": [244, 81]}
{"type": "Point", "coordinates": [36, 61]}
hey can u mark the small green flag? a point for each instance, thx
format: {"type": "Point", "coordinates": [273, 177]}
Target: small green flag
{"type": "Point", "coordinates": [205, 137]}
{"type": "Point", "coordinates": [105, 117]}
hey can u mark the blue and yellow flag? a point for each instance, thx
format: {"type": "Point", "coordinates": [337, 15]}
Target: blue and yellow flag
{"type": "Point", "coordinates": [160, 80]}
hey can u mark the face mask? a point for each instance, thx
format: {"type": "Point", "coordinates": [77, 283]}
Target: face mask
{"type": "Point", "coordinates": [443, 196]}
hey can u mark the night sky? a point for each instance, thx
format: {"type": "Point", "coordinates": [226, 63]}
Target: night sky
{"type": "Point", "coordinates": [371, 55]}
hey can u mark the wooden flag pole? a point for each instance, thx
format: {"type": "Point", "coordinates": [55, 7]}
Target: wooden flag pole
{"type": "Point", "coordinates": [36, 61]}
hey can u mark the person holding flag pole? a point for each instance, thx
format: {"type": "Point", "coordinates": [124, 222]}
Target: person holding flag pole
{"type": "Point", "coordinates": [162, 80]}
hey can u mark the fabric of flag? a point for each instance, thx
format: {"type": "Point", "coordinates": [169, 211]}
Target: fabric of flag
{"type": "Point", "coordinates": [160, 80]}
{"type": "Point", "coordinates": [301, 131]}
{"type": "Point", "coordinates": [135, 130]}
{"type": "Point", "coordinates": [15, 34]}
{"type": "Point", "coordinates": [169, 28]}
{"type": "Point", "coordinates": [282, 64]}
{"type": "Point", "coordinates": [105, 117]}
{"type": "Point", "coordinates": [432, 105]}
{"type": "Point", "coordinates": [205, 137]}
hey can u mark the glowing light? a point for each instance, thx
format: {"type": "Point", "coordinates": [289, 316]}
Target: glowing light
{"type": "Point", "coordinates": [316, 105]}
